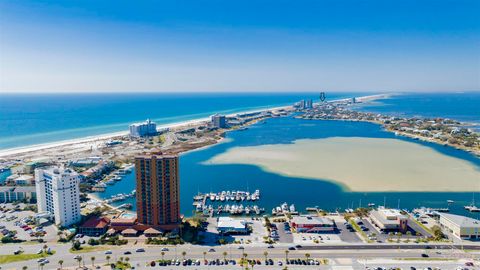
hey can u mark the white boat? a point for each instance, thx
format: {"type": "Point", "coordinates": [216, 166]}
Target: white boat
{"type": "Point", "coordinates": [450, 201]}
{"type": "Point", "coordinates": [212, 197]}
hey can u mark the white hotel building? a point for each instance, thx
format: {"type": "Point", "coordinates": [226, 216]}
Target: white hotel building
{"type": "Point", "coordinates": [144, 129]}
{"type": "Point", "coordinates": [58, 193]}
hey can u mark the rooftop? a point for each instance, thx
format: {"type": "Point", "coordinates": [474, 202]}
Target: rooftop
{"type": "Point", "coordinates": [311, 220]}
{"type": "Point", "coordinates": [461, 221]}
{"type": "Point", "coordinates": [96, 222]}
{"type": "Point", "coordinates": [228, 222]}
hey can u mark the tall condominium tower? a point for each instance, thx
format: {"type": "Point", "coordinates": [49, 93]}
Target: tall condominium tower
{"type": "Point", "coordinates": [158, 198]}
{"type": "Point", "coordinates": [58, 193]}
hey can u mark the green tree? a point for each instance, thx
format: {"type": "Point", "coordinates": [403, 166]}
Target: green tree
{"type": "Point", "coordinates": [204, 255]}
{"type": "Point", "coordinates": [265, 253]}
{"type": "Point", "coordinates": [93, 260]}
{"type": "Point", "coordinates": [60, 262]}
{"type": "Point", "coordinates": [184, 253]}
{"type": "Point", "coordinates": [108, 259]}
{"type": "Point", "coordinates": [225, 255]}
{"type": "Point", "coordinates": [24, 267]}
{"type": "Point", "coordinates": [163, 254]}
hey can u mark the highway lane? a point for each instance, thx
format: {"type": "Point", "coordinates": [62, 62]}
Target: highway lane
{"type": "Point", "coordinates": [254, 252]}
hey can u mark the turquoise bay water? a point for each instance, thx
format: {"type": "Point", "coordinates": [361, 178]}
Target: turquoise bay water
{"type": "Point", "coordinates": [276, 189]}
{"type": "Point", "coordinates": [29, 119]}
{"type": "Point", "coordinates": [460, 106]}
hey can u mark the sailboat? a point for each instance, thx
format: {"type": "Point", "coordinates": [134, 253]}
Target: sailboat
{"type": "Point", "coordinates": [472, 207]}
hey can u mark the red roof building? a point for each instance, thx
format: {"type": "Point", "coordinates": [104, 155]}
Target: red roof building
{"type": "Point", "coordinates": [95, 226]}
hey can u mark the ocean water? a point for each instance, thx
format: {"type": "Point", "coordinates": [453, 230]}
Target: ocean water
{"type": "Point", "coordinates": [276, 189]}
{"type": "Point", "coordinates": [30, 119]}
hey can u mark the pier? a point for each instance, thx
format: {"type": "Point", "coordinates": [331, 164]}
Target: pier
{"type": "Point", "coordinates": [227, 202]}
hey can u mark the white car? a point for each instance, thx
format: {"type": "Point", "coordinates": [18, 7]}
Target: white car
{"type": "Point", "coordinates": [108, 252]}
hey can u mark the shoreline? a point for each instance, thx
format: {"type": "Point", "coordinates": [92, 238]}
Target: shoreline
{"type": "Point", "coordinates": [6, 153]}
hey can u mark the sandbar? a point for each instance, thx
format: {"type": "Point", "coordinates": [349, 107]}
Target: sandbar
{"type": "Point", "coordinates": [361, 164]}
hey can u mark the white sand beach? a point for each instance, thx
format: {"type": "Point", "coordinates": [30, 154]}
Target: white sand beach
{"type": "Point", "coordinates": [361, 164]}
{"type": "Point", "coordinates": [92, 141]}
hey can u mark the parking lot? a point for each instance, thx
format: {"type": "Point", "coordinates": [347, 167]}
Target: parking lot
{"type": "Point", "coordinates": [255, 237]}
{"type": "Point", "coordinates": [23, 224]}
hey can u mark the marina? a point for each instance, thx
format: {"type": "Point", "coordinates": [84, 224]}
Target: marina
{"type": "Point", "coordinates": [228, 202]}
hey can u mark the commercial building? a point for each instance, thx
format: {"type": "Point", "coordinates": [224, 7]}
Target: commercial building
{"type": "Point", "coordinates": [312, 224]}
{"type": "Point", "coordinates": [147, 128]}
{"type": "Point", "coordinates": [157, 191]}
{"type": "Point", "coordinates": [58, 193]}
{"type": "Point", "coordinates": [389, 219]}
{"type": "Point", "coordinates": [10, 194]}
{"type": "Point", "coordinates": [219, 121]}
{"type": "Point", "coordinates": [95, 226]}
{"type": "Point", "coordinates": [461, 226]}
{"type": "Point", "coordinates": [228, 225]}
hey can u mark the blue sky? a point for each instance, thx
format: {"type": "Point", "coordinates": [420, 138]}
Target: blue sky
{"type": "Point", "coordinates": [337, 45]}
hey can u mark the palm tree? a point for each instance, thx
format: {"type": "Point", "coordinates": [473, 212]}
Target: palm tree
{"type": "Point", "coordinates": [79, 260]}
{"type": "Point", "coordinates": [45, 248]}
{"type": "Point", "coordinates": [42, 265]}
{"type": "Point", "coordinates": [286, 255]}
{"type": "Point", "coordinates": [163, 254]}
{"type": "Point", "coordinates": [204, 255]}
{"type": "Point", "coordinates": [265, 253]}
{"type": "Point", "coordinates": [183, 254]}
{"type": "Point", "coordinates": [127, 259]}
{"type": "Point", "coordinates": [25, 268]}
{"type": "Point", "coordinates": [60, 262]}
{"type": "Point", "coordinates": [108, 259]}
{"type": "Point", "coordinates": [225, 255]}
{"type": "Point", "coordinates": [252, 264]}
{"type": "Point", "coordinates": [307, 256]}
{"type": "Point", "coordinates": [93, 260]}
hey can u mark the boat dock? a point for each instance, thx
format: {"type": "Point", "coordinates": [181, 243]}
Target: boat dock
{"type": "Point", "coordinates": [227, 202]}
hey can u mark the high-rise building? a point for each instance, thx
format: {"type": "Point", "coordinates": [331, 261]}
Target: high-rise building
{"type": "Point", "coordinates": [147, 128]}
{"type": "Point", "coordinates": [309, 104]}
{"type": "Point", "coordinates": [219, 121]}
{"type": "Point", "coordinates": [58, 193]}
{"type": "Point", "coordinates": [158, 197]}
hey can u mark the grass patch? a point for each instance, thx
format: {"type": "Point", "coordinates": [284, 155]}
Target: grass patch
{"type": "Point", "coordinates": [22, 257]}
{"type": "Point", "coordinates": [85, 249]}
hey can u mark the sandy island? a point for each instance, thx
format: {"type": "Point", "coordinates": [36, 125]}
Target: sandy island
{"type": "Point", "coordinates": [361, 164]}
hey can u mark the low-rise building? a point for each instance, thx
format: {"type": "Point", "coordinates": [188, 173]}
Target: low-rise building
{"type": "Point", "coordinates": [312, 224]}
{"type": "Point", "coordinates": [228, 225]}
{"type": "Point", "coordinates": [461, 226]}
{"type": "Point", "coordinates": [95, 226]}
{"type": "Point", "coordinates": [389, 219]}
{"type": "Point", "coordinates": [10, 194]}
{"type": "Point", "coordinates": [20, 180]}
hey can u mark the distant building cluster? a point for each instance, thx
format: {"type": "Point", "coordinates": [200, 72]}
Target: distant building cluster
{"type": "Point", "coordinates": [304, 104]}
{"type": "Point", "coordinates": [144, 129]}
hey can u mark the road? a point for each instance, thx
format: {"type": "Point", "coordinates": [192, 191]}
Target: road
{"type": "Point", "coordinates": [351, 253]}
